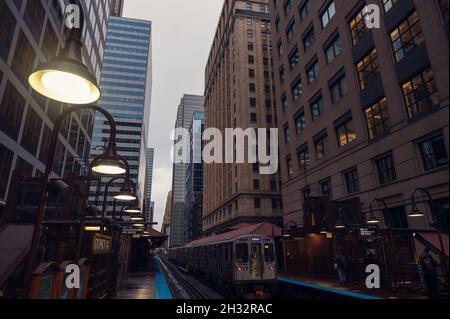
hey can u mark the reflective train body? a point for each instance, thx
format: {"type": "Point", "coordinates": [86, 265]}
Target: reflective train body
{"type": "Point", "coordinates": [244, 265]}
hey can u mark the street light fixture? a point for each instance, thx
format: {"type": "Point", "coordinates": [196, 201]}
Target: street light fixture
{"type": "Point", "coordinates": [415, 212]}
{"type": "Point", "coordinates": [340, 223]}
{"type": "Point", "coordinates": [126, 194]}
{"type": "Point", "coordinates": [373, 218]}
{"type": "Point", "coordinates": [111, 153]}
{"type": "Point", "coordinates": [66, 78]}
{"type": "Point", "coordinates": [132, 210]}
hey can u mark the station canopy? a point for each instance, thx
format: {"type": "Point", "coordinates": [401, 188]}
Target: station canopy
{"type": "Point", "coordinates": [239, 230]}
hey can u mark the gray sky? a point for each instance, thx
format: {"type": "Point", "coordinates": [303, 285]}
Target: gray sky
{"type": "Point", "coordinates": [183, 31]}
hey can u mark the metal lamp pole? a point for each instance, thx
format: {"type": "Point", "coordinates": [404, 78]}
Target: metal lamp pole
{"type": "Point", "coordinates": [45, 179]}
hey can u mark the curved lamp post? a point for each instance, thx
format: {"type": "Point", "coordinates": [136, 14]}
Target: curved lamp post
{"type": "Point", "coordinates": [126, 194]}
{"type": "Point", "coordinates": [340, 223]}
{"type": "Point", "coordinates": [65, 78]}
{"type": "Point", "coordinates": [107, 163]}
{"type": "Point", "coordinates": [286, 228]}
{"type": "Point", "coordinates": [373, 218]}
{"type": "Point", "coordinates": [415, 212]}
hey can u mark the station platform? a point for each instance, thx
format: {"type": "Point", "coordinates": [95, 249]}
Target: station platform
{"type": "Point", "coordinates": [138, 286]}
{"type": "Point", "coordinates": [141, 286]}
{"type": "Point", "coordinates": [329, 289]}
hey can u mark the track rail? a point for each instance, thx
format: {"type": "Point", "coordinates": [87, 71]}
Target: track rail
{"type": "Point", "coordinates": [184, 286]}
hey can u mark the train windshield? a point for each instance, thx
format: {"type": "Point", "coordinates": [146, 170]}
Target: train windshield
{"type": "Point", "coordinates": [242, 253]}
{"type": "Point", "coordinates": [269, 253]}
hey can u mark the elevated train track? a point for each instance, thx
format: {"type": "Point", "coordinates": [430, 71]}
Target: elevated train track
{"type": "Point", "coordinates": [184, 286]}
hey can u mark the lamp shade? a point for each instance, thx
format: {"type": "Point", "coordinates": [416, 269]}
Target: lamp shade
{"type": "Point", "coordinates": [373, 220]}
{"type": "Point", "coordinates": [125, 195]}
{"type": "Point", "coordinates": [65, 80]}
{"type": "Point", "coordinates": [109, 166]}
{"type": "Point", "coordinates": [416, 213]}
{"type": "Point", "coordinates": [132, 210]}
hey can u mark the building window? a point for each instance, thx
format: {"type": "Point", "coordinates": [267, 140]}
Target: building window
{"type": "Point", "coordinates": [317, 108]}
{"type": "Point", "coordinates": [358, 27]}
{"type": "Point", "coordinates": [313, 71]}
{"type": "Point", "coordinates": [420, 94]}
{"type": "Point", "coordinates": [251, 73]}
{"type": "Point", "coordinates": [377, 119]}
{"type": "Point", "coordinates": [300, 121]}
{"type": "Point", "coordinates": [388, 4]}
{"type": "Point", "coordinates": [290, 32]}
{"type": "Point", "coordinates": [308, 39]}
{"type": "Point", "coordinates": [250, 34]}
{"type": "Point", "coordinates": [352, 181]}
{"type": "Point", "coordinates": [7, 26]}
{"type": "Point", "coordinates": [253, 118]}
{"type": "Point", "coordinates": [345, 133]}
{"type": "Point", "coordinates": [333, 49]}
{"type": "Point", "coordinates": [256, 184]}
{"type": "Point", "coordinates": [287, 7]}
{"type": "Point", "coordinates": [257, 203]}
{"type": "Point", "coordinates": [327, 189]}
{"type": "Point", "coordinates": [304, 10]}
{"type": "Point", "coordinates": [24, 57]}
{"type": "Point", "coordinates": [368, 69]}
{"type": "Point", "coordinates": [284, 103]}
{"type": "Point", "coordinates": [250, 46]}
{"type": "Point", "coordinates": [294, 58]}
{"type": "Point", "coordinates": [252, 102]}
{"type": "Point", "coordinates": [406, 36]}
{"type": "Point", "coordinates": [31, 130]}
{"type": "Point", "coordinates": [297, 89]}
{"type": "Point", "coordinates": [287, 133]}
{"type": "Point", "coordinates": [11, 111]}
{"type": "Point", "coordinates": [6, 157]}
{"type": "Point", "coordinates": [433, 152]}
{"type": "Point", "coordinates": [444, 8]}
{"type": "Point", "coordinates": [251, 59]}
{"type": "Point", "coordinates": [329, 13]}
{"type": "Point", "coordinates": [277, 24]}
{"type": "Point", "coordinates": [34, 17]}
{"type": "Point", "coordinates": [252, 87]}
{"type": "Point", "coordinates": [289, 167]}
{"type": "Point", "coordinates": [280, 48]}
{"type": "Point", "coordinates": [282, 74]}
{"type": "Point", "coordinates": [339, 89]}
{"type": "Point", "coordinates": [321, 146]}
{"type": "Point", "coordinates": [273, 186]}
{"type": "Point", "coordinates": [386, 169]}
{"type": "Point", "coordinates": [303, 157]}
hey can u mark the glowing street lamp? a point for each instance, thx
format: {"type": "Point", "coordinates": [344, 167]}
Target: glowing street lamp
{"type": "Point", "coordinates": [66, 78]}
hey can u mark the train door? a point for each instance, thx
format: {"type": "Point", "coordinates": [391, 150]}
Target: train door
{"type": "Point", "coordinates": [256, 264]}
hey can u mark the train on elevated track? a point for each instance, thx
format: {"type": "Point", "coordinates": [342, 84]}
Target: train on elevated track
{"type": "Point", "coordinates": [242, 264]}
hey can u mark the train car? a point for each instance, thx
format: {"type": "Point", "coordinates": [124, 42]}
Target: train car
{"type": "Point", "coordinates": [244, 264]}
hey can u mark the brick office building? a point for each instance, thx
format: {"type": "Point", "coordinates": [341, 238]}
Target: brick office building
{"type": "Point", "coordinates": [239, 94]}
{"type": "Point", "coordinates": [362, 113]}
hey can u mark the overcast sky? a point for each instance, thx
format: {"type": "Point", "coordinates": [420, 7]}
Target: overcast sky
{"type": "Point", "coordinates": [182, 32]}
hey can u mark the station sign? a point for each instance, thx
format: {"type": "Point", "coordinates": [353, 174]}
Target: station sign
{"type": "Point", "coordinates": [101, 244]}
{"type": "Point", "coordinates": [370, 231]}
{"type": "Point", "coordinates": [129, 230]}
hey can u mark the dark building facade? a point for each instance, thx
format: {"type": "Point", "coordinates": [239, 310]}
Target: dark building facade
{"type": "Point", "coordinates": [362, 112]}
{"type": "Point", "coordinates": [194, 180]}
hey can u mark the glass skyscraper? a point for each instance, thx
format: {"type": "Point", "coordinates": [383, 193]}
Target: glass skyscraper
{"type": "Point", "coordinates": [31, 32]}
{"type": "Point", "coordinates": [126, 94]}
